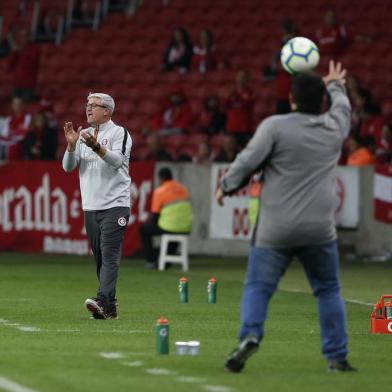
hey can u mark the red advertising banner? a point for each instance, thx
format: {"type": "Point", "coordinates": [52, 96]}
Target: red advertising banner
{"type": "Point", "coordinates": [383, 193]}
{"type": "Point", "coordinates": [40, 208]}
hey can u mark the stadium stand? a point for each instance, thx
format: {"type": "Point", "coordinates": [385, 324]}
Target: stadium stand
{"type": "Point", "coordinates": [122, 54]}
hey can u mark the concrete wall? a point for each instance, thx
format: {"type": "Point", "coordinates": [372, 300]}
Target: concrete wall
{"type": "Point", "coordinates": [372, 237]}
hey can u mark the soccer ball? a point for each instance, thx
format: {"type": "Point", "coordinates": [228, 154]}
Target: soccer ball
{"type": "Point", "coordinates": [299, 54]}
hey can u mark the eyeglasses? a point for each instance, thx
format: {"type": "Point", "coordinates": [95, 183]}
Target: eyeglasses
{"type": "Point", "coordinates": [94, 105]}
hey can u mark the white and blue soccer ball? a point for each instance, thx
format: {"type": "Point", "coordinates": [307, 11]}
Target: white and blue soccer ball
{"type": "Point", "coordinates": [299, 54]}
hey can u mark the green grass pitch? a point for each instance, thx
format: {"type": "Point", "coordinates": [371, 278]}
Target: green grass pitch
{"type": "Point", "coordinates": [49, 344]}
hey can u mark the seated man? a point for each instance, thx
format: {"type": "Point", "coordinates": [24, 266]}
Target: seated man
{"type": "Point", "coordinates": [171, 212]}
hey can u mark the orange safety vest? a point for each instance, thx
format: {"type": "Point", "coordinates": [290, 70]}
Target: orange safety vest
{"type": "Point", "coordinates": [171, 201]}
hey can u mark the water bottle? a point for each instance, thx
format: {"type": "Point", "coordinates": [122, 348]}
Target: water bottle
{"type": "Point", "coordinates": [388, 310]}
{"type": "Point", "coordinates": [183, 290]}
{"type": "Point", "coordinates": [162, 335]}
{"type": "Point", "coordinates": [212, 290]}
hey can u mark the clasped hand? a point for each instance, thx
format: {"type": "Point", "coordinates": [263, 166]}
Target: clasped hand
{"type": "Point", "coordinates": [88, 139]}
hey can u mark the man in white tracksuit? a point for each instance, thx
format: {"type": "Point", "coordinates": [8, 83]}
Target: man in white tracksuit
{"type": "Point", "coordinates": [102, 152]}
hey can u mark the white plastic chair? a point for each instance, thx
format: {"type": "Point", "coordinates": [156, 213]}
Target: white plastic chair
{"type": "Point", "coordinates": [181, 258]}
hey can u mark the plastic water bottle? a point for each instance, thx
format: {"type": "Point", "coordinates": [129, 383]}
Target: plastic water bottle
{"type": "Point", "coordinates": [388, 310]}
{"type": "Point", "coordinates": [183, 290]}
{"type": "Point", "coordinates": [212, 290]}
{"type": "Point", "coordinates": [162, 335]}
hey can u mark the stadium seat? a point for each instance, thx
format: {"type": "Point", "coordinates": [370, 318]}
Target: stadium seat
{"type": "Point", "coordinates": [245, 33]}
{"type": "Point", "coordinates": [196, 107]}
{"type": "Point", "coordinates": [195, 139]}
{"type": "Point", "coordinates": [175, 141]}
{"type": "Point", "coordinates": [137, 122]}
{"type": "Point", "coordinates": [147, 107]}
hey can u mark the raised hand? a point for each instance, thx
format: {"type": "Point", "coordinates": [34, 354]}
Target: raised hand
{"type": "Point", "coordinates": [71, 135]}
{"type": "Point", "coordinates": [219, 196]}
{"type": "Point", "coordinates": [336, 72]}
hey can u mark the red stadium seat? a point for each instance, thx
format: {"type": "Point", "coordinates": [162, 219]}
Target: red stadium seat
{"type": "Point", "coordinates": [245, 33]}
{"type": "Point", "coordinates": [175, 141]}
{"type": "Point", "coordinates": [147, 107]}
{"type": "Point", "coordinates": [196, 138]}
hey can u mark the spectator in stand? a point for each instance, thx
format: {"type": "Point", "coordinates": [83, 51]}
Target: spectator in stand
{"type": "Point", "coordinates": [372, 122]}
{"type": "Point", "coordinates": [283, 78]}
{"type": "Point", "coordinates": [288, 31]}
{"type": "Point", "coordinates": [204, 55]}
{"type": "Point", "coordinates": [204, 154]}
{"type": "Point", "coordinates": [239, 109]}
{"type": "Point", "coordinates": [23, 65]}
{"type": "Point", "coordinates": [41, 140]}
{"type": "Point", "coordinates": [384, 150]}
{"type": "Point", "coordinates": [353, 85]}
{"type": "Point", "coordinates": [358, 96]}
{"type": "Point", "coordinates": [14, 130]}
{"type": "Point", "coordinates": [283, 88]}
{"type": "Point", "coordinates": [178, 55]}
{"type": "Point", "coordinates": [212, 119]}
{"type": "Point", "coordinates": [175, 115]}
{"type": "Point", "coordinates": [361, 151]}
{"type": "Point", "coordinates": [5, 46]}
{"type": "Point", "coordinates": [276, 72]}
{"type": "Point", "coordinates": [332, 37]}
{"type": "Point", "coordinates": [156, 151]}
{"type": "Point", "coordinates": [46, 107]}
{"type": "Point", "coordinates": [229, 149]}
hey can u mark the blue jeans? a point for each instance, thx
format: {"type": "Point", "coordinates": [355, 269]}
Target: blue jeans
{"type": "Point", "coordinates": [321, 263]}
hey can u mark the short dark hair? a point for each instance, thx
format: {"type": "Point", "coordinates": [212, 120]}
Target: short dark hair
{"type": "Point", "coordinates": [308, 92]}
{"type": "Point", "coordinates": [165, 174]}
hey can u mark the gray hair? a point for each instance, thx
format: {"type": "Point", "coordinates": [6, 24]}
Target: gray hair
{"type": "Point", "coordinates": [106, 100]}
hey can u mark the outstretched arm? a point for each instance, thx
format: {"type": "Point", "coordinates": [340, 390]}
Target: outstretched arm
{"type": "Point", "coordinates": [249, 160]}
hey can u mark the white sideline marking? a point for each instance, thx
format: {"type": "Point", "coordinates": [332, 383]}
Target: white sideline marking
{"type": "Point", "coordinates": [190, 379]}
{"type": "Point", "coordinates": [30, 328]}
{"type": "Point", "coordinates": [20, 327]}
{"type": "Point", "coordinates": [217, 388]}
{"type": "Point", "coordinates": [119, 331]}
{"type": "Point", "coordinates": [112, 355]}
{"type": "Point", "coordinates": [160, 372]}
{"type": "Point", "coordinates": [133, 363]}
{"type": "Point", "coordinates": [16, 299]}
{"type": "Point", "coordinates": [357, 302]}
{"type": "Point", "coordinates": [351, 301]}
{"type": "Point", "coordinates": [26, 328]}
{"type": "Point", "coordinates": [138, 331]}
{"type": "Point", "coordinates": [8, 385]}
